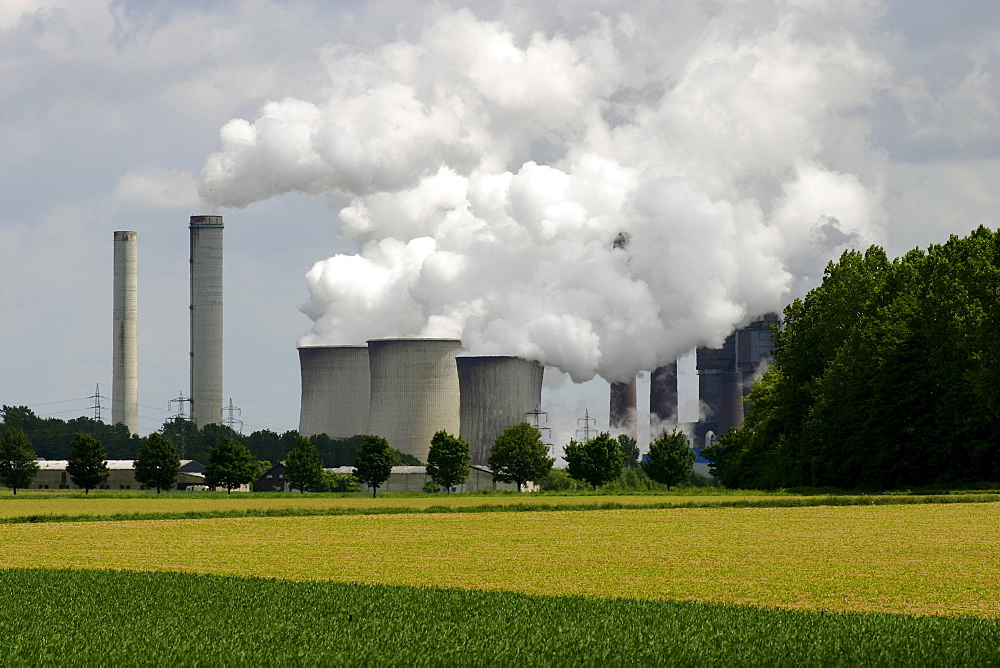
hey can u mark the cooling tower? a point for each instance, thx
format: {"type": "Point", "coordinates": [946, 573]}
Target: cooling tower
{"type": "Point", "coordinates": [206, 319]}
{"type": "Point", "coordinates": [335, 390]}
{"type": "Point", "coordinates": [125, 375]}
{"type": "Point", "coordinates": [414, 391]}
{"type": "Point", "coordinates": [496, 394]}
{"type": "Point", "coordinates": [623, 407]}
{"type": "Point", "coordinates": [663, 397]}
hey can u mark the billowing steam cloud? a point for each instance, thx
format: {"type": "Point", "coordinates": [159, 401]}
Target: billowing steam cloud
{"type": "Point", "coordinates": [489, 173]}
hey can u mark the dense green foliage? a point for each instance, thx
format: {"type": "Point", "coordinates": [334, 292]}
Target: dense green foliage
{"type": "Point", "coordinates": [519, 455]}
{"type": "Point", "coordinates": [52, 438]}
{"type": "Point", "coordinates": [158, 462]}
{"type": "Point", "coordinates": [886, 375]}
{"type": "Point", "coordinates": [17, 460]}
{"type": "Point", "coordinates": [87, 465]}
{"type": "Point", "coordinates": [630, 450]}
{"type": "Point", "coordinates": [595, 462]}
{"type": "Point", "coordinates": [125, 618]}
{"type": "Point", "coordinates": [374, 462]}
{"type": "Point", "coordinates": [448, 460]}
{"type": "Point", "coordinates": [303, 466]}
{"type": "Point", "coordinates": [335, 482]}
{"type": "Point", "coordinates": [230, 465]}
{"type": "Point", "coordinates": [670, 459]}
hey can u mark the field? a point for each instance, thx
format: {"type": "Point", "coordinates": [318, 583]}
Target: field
{"type": "Point", "coordinates": [822, 578]}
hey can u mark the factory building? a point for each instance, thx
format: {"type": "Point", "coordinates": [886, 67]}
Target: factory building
{"type": "Point", "coordinates": [125, 346]}
{"type": "Point", "coordinates": [414, 391]}
{"type": "Point", "coordinates": [496, 393]}
{"type": "Point", "coordinates": [336, 388]}
{"type": "Point", "coordinates": [726, 374]}
{"type": "Point", "coordinates": [206, 319]}
{"type": "Point", "coordinates": [52, 474]}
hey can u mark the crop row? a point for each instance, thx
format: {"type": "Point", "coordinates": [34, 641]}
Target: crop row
{"type": "Point", "coordinates": [121, 618]}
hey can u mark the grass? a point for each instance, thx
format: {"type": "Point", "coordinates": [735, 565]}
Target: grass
{"type": "Point", "coordinates": [119, 618]}
{"type": "Point", "coordinates": [930, 559]}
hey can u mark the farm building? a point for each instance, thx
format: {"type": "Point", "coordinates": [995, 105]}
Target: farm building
{"type": "Point", "coordinates": [52, 474]}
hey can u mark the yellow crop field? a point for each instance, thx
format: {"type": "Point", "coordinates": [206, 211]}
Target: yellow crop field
{"type": "Point", "coordinates": [182, 502]}
{"type": "Point", "coordinates": [925, 559]}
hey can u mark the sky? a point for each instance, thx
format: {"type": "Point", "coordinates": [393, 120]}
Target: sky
{"type": "Point", "coordinates": [462, 169]}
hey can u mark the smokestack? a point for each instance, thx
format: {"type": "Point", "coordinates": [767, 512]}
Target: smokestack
{"type": "Point", "coordinates": [496, 392]}
{"type": "Point", "coordinates": [623, 407]}
{"type": "Point", "coordinates": [730, 413]}
{"type": "Point", "coordinates": [125, 377]}
{"type": "Point", "coordinates": [414, 391]}
{"type": "Point", "coordinates": [206, 319]}
{"type": "Point", "coordinates": [335, 390]}
{"type": "Point", "coordinates": [663, 398]}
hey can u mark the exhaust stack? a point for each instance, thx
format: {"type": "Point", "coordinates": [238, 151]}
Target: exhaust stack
{"type": "Point", "coordinates": [125, 376]}
{"type": "Point", "coordinates": [206, 319]}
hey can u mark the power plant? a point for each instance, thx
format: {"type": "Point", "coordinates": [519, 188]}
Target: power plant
{"type": "Point", "coordinates": [336, 388]}
{"type": "Point", "coordinates": [496, 393]}
{"type": "Point", "coordinates": [206, 319]}
{"type": "Point", "coordinates": [125, 348]}
{"type": "Point", "coordinates": [414, 391]}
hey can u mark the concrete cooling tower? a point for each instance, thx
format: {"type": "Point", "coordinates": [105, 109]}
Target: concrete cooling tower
{"type": "Point", "coordinates": [414, 391]}
{"type": "Point", "coordinates": [335, 390]}
{"type": "Point", "coordinates": [125, 364]}
{"type": "Point", "coordinates": [496, 394]}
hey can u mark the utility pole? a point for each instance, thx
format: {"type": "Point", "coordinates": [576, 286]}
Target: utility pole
{"type": "Point", "coordinates": [179, 402]}
{"type": "Point", "coordinates": [96, 396]}
{"type": "Point", "coordinates": [588, 424]}
{"type": "Point", "coordinates": [535, 420]}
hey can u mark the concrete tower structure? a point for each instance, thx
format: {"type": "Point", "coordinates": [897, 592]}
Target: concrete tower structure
{"type": "Point", "coordinates": [206, 319]}
{"type": "Point", "coordinates": [414, 391]}
{"type": "Point", "coordinates": [336, 388]}
{"type": "Point", "coordinates": [125, 364]}
{"type": "Point", "coordinates": [623, 407]}
{"type": "Point", "coordinates": [663, 405]}
{"type": "Point", "coordinates": [496, 393]}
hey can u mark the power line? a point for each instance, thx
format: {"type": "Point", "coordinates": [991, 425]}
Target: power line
{"type": "Point", "coordinates": [230, 420]}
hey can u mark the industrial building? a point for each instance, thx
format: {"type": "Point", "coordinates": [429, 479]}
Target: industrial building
{"type": "Point", "coordinates": [413, 479]}
{"type": "Point", "coordinates": [52, 474]}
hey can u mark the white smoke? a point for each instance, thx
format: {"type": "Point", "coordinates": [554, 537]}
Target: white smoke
{"type": "Point", "coordinates": [489, 172]}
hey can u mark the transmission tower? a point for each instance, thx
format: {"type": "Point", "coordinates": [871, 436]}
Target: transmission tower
{"type": "Point", "coordinates": [96, 396]}
{"type": "Point", "coordinates": [230, 412]}
{"type": "Point", "coordinates": [179, 402]}
{"type": "Point", "coordinates": [535, 418]}
{"type": "Point", "coordinates": [589, 424]}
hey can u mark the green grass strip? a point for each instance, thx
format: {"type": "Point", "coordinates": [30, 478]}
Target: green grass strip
{"type": "Point", "coordinates": [125, 618]}
{"type": "Point", "coordinates": [762, 502]}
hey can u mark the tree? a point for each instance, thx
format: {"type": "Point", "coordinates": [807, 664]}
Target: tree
{"type": "Point", "coordinates": [88, 466]}
{"type": "Point", "coordinates": [448, 460]}
{"type": "Point", "coordinates": [519, 455]}
{"type": "Point", "coordinates": [17, 460]}
{"type": "Point", "coordinates": [630, 450]}
{"type": "Point", "coordinates": [303, 466]}
{"type": "Point", "coordinates": [373, 465]}
{"type": "Point", "coordinates": [230, 465]}
{"type": "Point", "coordinates": [670, 459]}
{"type": "Point", "coordinates": [158, 462]}
{"type": "Point", "coordinates": [596, 461]}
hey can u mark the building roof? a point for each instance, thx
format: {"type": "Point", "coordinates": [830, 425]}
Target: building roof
{"type": "Point", "coordinates": [113, 464]}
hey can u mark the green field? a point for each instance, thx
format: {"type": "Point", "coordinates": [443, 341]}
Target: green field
{"type": "Point", "coordinates": [108, 618]}
{"type": "Point", "coordinates": [811, 584]}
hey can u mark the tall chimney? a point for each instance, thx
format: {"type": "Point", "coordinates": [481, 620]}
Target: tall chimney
{"type": "Point", "coordinates": [206, 319]}
{"type": "Point", "coordinates": [125, 376]}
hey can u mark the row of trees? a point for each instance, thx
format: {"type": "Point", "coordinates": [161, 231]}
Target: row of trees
{"type": "Point", "coordinates": [602, 459]}
{"type": "Point", "coordinates": [886, 375]}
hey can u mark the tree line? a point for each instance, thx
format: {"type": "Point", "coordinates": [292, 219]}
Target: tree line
{"type": "Point", "coordinates": [885, 376]}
